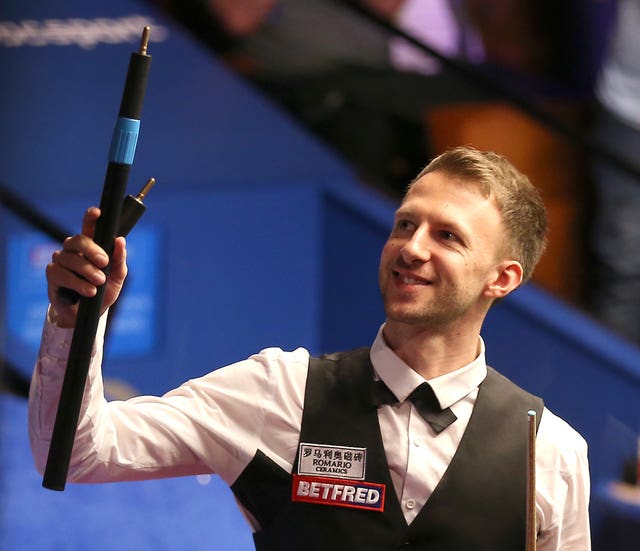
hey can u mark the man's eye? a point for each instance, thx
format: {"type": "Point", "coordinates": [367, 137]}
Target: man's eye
{"type": "Point", "coordinates": [448, 236]}
{"type": "Point", "coordinates": [405, 225]}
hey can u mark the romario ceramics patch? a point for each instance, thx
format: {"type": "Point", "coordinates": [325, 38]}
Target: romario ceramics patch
{"type": "Point", "coordinates": [342, 493]}
{"type": "Point", "coordinates": [332, 461]}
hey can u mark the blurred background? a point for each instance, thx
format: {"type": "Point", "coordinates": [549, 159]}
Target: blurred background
{"type": "Point", "coordinates": [282, 134]}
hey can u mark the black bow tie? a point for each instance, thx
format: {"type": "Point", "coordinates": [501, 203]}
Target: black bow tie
{"type": "Point", "coordinates": [423, 398]}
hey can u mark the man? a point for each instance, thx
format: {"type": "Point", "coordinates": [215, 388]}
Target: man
{"type": "Point", "coordinates": [334, 452]}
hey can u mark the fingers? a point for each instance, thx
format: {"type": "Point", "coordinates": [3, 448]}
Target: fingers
{"type": "Point", "coordinates": [75, 270]}
{"type": "Point", "coordinates": [117, 273]}
{"type": "Point", "coordinates": [118, 270]}
{"type": "Point", "coordinates": [68, 275]}
{"type": "Point", "coordinates": [83, 247]}
{"type": "Point", "coordinates": [78, 269]}
{"type": "Point", "coordinates": [89, 221]}
{"type": "Point", "coordinates": [78, 266]}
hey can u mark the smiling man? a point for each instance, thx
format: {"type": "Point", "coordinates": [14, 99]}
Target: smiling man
{"type": "Point", "coordinates": [453, 250]}
{"type": "Point", "coordinates": [414, 443]}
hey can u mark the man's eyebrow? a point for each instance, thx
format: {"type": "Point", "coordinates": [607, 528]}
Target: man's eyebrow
{"type": "Point", "coordinates": [450, 222]}
{"type": "Point", "coordinates": [403, 210]}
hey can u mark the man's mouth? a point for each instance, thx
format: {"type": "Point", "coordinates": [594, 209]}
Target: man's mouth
{"type": "Point", "coordinates": [409, 279]}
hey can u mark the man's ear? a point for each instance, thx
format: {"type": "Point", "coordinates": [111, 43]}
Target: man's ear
{"type": "Point", "coordinates": [507, 277]}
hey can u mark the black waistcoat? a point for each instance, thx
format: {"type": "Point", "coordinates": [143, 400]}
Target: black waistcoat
{"type": "Point", "coordinates": [478, 505]}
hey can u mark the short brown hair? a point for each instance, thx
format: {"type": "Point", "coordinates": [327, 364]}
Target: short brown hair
{"type": "Point", "coordinates": [519, 201]}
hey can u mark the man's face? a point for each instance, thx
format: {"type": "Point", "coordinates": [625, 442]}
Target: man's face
{"type": "Point", "coordinates": [442, 253]}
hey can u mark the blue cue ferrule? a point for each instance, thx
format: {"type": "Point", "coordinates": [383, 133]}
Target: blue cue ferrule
{"type": "Point", "coordinates": [124, 141]}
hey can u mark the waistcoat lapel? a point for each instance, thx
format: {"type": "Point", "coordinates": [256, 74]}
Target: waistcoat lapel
{"type": "Point", "coordinates": [480, 503]}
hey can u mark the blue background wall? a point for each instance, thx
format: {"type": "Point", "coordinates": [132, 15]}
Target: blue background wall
{"type": "Point", "coordinates": [263, 238]}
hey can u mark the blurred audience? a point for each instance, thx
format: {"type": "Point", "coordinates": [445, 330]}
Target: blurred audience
{"type": "Point", "coordinates": [358, 88]}
{"type": "Point", "coordinates": [615, 240]}
{"type": "Point", "coordinates": [354, 85]}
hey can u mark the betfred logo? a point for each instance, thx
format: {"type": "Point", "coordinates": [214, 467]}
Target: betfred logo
{"type": "Point", "coordinates": [342, 493]}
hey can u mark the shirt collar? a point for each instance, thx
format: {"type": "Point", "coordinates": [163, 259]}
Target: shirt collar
{"type": "Point", "coordinates": [402, 380]}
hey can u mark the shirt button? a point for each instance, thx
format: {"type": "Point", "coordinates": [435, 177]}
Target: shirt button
{"type": "Point", "coordinates": [417, 443]}
{"type": "Point", "coordinates": [410, 504]}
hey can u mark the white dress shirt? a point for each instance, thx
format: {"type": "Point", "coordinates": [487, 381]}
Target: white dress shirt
{"type": "Point", "coordinates": [216, 423]}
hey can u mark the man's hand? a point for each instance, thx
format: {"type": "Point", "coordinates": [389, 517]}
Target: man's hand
{"type": "Point", "coordinates": [78, 266]}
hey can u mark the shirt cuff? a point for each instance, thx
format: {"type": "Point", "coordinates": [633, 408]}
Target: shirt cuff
{"type": "Point", "coordinates": [56, 340]}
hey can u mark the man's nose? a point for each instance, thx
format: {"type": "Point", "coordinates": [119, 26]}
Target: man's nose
{"type": "Point", "coordinates": [417, 248]}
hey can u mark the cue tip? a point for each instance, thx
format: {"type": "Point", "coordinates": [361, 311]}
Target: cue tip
{"type": "Point", "coordinates": [144, 42]}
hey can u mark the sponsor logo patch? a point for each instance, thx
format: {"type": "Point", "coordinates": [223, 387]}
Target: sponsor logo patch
{"type": "Point", "coordinates": [341, 493]}
{"type": "Point", "coordinates": [332, 461]}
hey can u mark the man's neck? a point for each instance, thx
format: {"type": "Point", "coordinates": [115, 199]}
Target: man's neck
{"type": "Point", "coordinates": [432, 352]}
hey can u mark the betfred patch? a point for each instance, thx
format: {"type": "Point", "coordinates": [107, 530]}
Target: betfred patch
{"type": "Point", "coordinates": [332, 461]}
{"type": "Point", "coordinates": [341, 493]}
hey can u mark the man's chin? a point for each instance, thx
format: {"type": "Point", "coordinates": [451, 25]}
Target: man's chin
{"type": "Point", "coordinates": [407, 316]}
{"type": "Point", "coordinates": [417, 318]}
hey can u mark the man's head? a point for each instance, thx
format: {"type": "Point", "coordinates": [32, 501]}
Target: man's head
{"type": "Point", "coordinates": [469, 230]}
{"type": "Point", "coordinates": [518, 200]}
